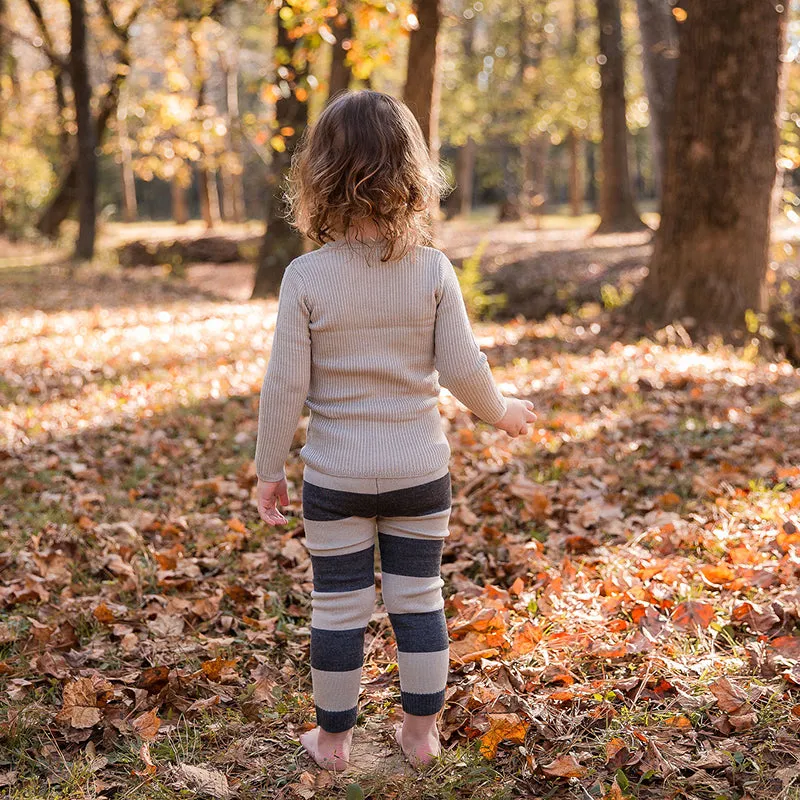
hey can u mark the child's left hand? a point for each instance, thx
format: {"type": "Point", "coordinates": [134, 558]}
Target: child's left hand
{"type": "Point", "coordinates": [268, 493]}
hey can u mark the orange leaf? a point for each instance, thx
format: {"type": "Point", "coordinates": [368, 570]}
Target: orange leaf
{"type": "Point", "coordinates": [717, 574]}
{"type": "Point", "coordinates": [693, 614]}
{"type": "Point", "coordinates": [236, 525]}
{"type": "Point", "coordinates": [503, 728]}
{"type": "Point", "coordinates": [215, 668]}
{"type": "Point", "coordinates": [564, 767]}
{"type": "Point", "coordinates": [147, 725]}
{"type": "Point", "coordinates": [678, 721]}
{"type": "Point", "coordinates": [526, 637]}
{"type": "Point", "coordinates": [102, 613]}
{"type": "Point", "coordinates": [668, 500]}
{"type": "Point", "coordinates": [613, 746]}
{"type": "Point", "coordinates": [788, 646]}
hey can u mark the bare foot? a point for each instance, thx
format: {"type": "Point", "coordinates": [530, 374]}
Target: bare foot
{"type": "Point", "coordinates": [329, 750]}
{"type": "Point", "coordinates": [420, 748]}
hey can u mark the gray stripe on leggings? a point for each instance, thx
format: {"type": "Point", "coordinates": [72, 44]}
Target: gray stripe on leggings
{"type": "Point", "coordinates": [422, 705]}
{"type": "Point", "coordinates": [336, 721]}
{"type": "Point", "coordinates": [344, 573]}
{"type": "Point", "coordinates": [337, 651]}
{"type": "Point", "coordinates": [423, 673]}
{"type": "Point", "coordinates": [419, 558]}
{"type": "Point", "coordinates": [420, 633]}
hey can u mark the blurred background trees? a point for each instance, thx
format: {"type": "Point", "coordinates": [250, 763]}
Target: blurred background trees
{"type": "Point", "coordinates": [192, 109]}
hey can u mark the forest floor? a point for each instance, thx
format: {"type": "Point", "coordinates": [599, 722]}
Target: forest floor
{"type": "Point", "coordinates": [622, 585]}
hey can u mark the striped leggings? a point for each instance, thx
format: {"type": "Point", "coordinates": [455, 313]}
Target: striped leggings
{"type": "Point", "coordinates": [341, 517]}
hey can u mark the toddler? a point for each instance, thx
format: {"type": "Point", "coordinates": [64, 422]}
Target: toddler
{"type": "Point", "coordinates": [369, 326]}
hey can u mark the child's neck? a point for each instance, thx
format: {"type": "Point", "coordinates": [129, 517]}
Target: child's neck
{"type": "Point", "coordinates": [363, 231]}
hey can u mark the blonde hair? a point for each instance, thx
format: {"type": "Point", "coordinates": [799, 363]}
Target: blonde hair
{"type": "Point", "coordinates": [365, 160]}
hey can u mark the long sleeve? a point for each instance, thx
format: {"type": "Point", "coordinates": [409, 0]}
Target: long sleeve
{"type": "Point", "coordinates": [286, 382]}
{"type": "Point", "coordinates": [462, 367]}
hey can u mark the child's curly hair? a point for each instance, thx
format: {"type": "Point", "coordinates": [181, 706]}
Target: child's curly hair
{"type": "Point", "coordinates": [365, 160]}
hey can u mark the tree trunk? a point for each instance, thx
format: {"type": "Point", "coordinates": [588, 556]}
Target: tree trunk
{"type": "Point", "coordinates": [129, 205]}
{"type": "Point", "coordinates": [659, 33]}
{"type": "Point", "coordinates": [206, 179]}
{"type": "Point", "coordinates": [86, 177]}
{"type": "Point", "coordinates": [466, 176]}
{"type": "Point", "coordinates": [180, 210]}
{"type": "Point", "coordinates": [282, 243]}
{"type": "Point", "coordinates": [341, 73]}
{"type": "Point", "coordinates": [60, 205]}
{"type": "Point", "coordinates": [421, 92]}
{"type": "Point", "coordinates": [710, 252]}
{"type": "Point", "coordinates": [233, 189]}
{"type": "Point", "coordinates": [575, 182]}
{"type": "Point", "coordinates": [617, 210]}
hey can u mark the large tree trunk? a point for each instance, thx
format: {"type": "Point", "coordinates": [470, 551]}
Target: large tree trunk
{"type": "Point", "coordinates": [710, 254]}
{"type": "Point", "coordinates": [282, 243]}
{"type": "Point", "coordinates": [421, 92]}
{"type": "Point", "coordinates": [659, 33]}
{"type": "Point", "coordinates": [617, 210]}
{"type": "Point", "coordinates": [86, 178]}
{"type": "Point", "coordinates": [341, 74]}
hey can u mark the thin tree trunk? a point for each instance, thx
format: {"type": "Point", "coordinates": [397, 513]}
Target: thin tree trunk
{"type": "Point", "coordinates": [129, 205]}
{"type": "Point", "coordinates": [206, 179]}
{"type": "Point", "coordinates": [617, 210]}
{"type": "Point", "coordinates": [180, 210]}
{"type": "Point", "coordinates": [233, 189]}
{"type": "Point", "coordinates": [421, 92]}
{"type": "Point", "coordinates": [340, 74]}
{"type": "Point", "coordinates": [60, 205]}
{"type": "Point", "coordinates": [466, 176]}
{"type": "Point", "coordinates": [575, 178]}
{"type": "Point", "coordinates": [86, 178]}
{"type": "Point", "coordinates": [281, 243]}
{"type": "Point", "coordinates": [659, 33]}
{"type": "Point", "coordinates": [710, 252]}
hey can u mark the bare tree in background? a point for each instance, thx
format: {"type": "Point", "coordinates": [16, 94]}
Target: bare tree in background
{"type": "Point", "coordinates": [710, 255]}
{"type": "Point", "coordinates": [86, 177]}
{"type": "Point", "coordinates": [617, 210]}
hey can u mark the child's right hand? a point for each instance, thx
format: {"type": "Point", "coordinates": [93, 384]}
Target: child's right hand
{"type": "Point", "coordinates": [518, 414]}
{"type": "Point", "coordinates": [268, 493]}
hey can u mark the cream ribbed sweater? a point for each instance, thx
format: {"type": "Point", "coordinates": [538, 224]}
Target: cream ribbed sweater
{"type": "Point", "coordinates": [360, 343]}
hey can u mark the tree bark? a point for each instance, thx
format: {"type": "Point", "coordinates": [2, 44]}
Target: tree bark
{"type": "Point", "coordinates": [421, 92]}
{"type": "Point", "coordinates": [617, 210]}
{"type": "Point", "coordinates": [466, 176]}
{"type": "Point", "coordinates": [710, 252]}
{"type": "Point", "coordinates": [575, 178]}
{"type": "Point", "coordinates": [60, 205]}
{"type": "Point", "coordinates": [86, 177]}
{"type": "Point", "coordinates": [659, 33]}
{"type": "Point", "coordinates": [282, 243]}
{"type": "Point", "coordinates": [129, 205]}
{"type": "Point", "coordinates": [180, 210]}
{"type": "Point", "coordinates": [233, 189]}
{"type": "Point", "coordinates": [341, 74]}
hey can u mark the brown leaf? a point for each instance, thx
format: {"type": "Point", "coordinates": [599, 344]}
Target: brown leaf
{"type": "Point", "coordinates": [205, 781]}
{"type": "Point", "coordinates": [154, 679]}
{"type": "Point", "coordinates": [564, 767]}
{"type": "Point", "coordinates": [147, 725]}
{"type": "Point", "coordinates": [730, 697]}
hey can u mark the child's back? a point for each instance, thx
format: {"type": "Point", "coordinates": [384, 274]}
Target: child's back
{"type": "Point", "coordinates": [361, 342]}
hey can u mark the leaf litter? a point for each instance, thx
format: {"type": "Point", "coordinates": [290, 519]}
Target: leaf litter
{"type": "Point", "coordinates": [621, 588]}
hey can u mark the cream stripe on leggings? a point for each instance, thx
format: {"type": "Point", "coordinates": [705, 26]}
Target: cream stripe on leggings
{"type": "Point", "coordinates": [342, 516]}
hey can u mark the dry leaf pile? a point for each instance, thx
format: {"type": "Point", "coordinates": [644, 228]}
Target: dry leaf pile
{"type": "Point", "coordinates": [623, 585]}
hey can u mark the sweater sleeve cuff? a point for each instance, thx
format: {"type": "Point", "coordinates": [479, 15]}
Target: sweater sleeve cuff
{"type": "Point", "coordinates": [270, 477]}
